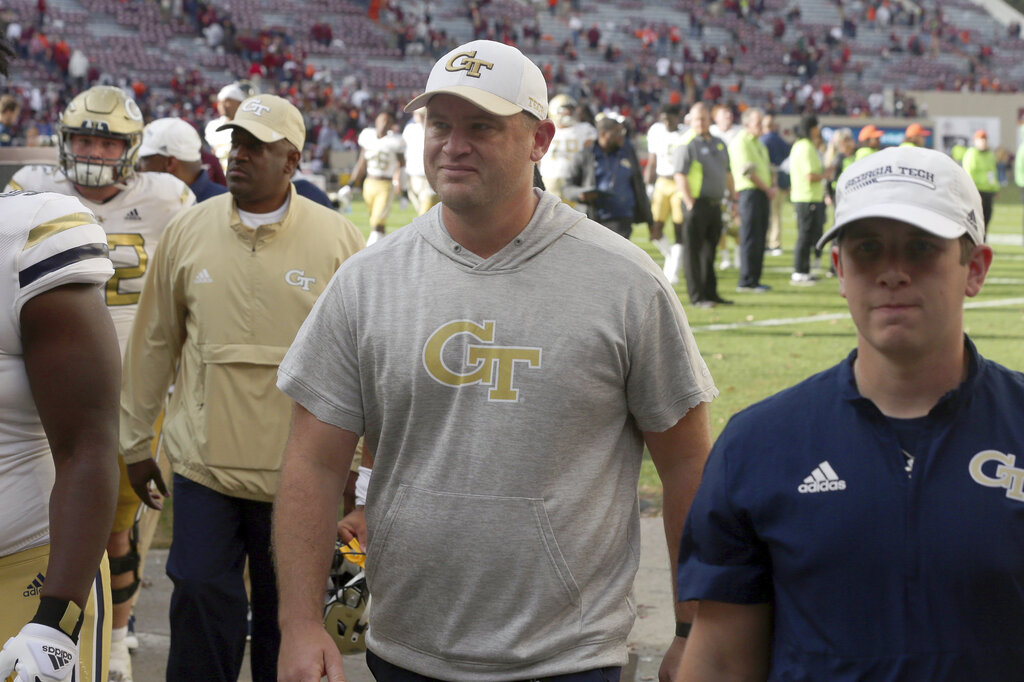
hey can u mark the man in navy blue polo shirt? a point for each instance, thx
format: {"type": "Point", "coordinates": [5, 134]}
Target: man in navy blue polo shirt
{"type": "Point", "coordinates": [881, 536]}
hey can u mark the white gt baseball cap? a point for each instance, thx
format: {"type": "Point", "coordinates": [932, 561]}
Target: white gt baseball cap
{"type": "Point", "coordinates": [171, 137]}
{"type": "Point", "coordinates": [495, 77]}
{"type": "Point", "coordinates": [921, 187]}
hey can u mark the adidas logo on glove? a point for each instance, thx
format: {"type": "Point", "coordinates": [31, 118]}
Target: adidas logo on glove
{"type": "Point", "coordinates": [58, 657]}
{"type": "Point", "coordinates": [40, 653]}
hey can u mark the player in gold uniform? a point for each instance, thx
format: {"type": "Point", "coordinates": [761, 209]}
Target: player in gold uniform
{"type": "Point", "coordinates": [100, 134]}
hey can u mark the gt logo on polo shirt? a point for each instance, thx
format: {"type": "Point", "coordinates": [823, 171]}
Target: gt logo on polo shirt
{"type": "Point", "coordinates": [995, 469]}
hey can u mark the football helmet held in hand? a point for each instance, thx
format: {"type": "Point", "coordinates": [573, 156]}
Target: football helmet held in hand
{"type": "Point", "coordinates": [347, 599]}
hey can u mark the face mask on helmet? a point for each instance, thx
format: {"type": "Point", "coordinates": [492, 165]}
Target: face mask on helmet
{"type": "Point", "coordinates": [101, 112]}
{"type": "Point", "coordinates": [562, 110]}
{"type": "Point", "coordinates": [347, 599]}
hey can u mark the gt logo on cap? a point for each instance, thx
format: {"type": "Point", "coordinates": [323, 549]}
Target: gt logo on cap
{"type": "Point", "coordinates": [470, 64]}
{"type": "Point", "coordinates": [255, 107]}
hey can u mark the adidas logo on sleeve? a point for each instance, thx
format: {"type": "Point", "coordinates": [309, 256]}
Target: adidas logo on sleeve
{"type": "Point", "coordinates": [823, 479]}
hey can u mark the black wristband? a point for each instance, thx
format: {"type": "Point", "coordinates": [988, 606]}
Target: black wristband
{"type": "Point", "coordinates": [60, 614]}
{"type": "Point", "coordinates": [683, 628]}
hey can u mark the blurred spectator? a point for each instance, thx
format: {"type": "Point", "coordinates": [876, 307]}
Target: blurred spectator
{"type": "Point", "coordinates": [870, 138]}
{"type": "Point", "coordinates": [1003, 160]}
{"type": "Point", "coordinates": [607, 178]}
{"type": "Point", "coordinates": [1018, 169]}
{"type": "Point", "coordinates": [10, 111]}
{"type": "Point", "coordinates": [807, 194]}
{"type": "Point", "coordinates": [778, 154]}
{"type": "Point", "coordinates": [575, 28]}
{"type": "Point", "coordinates": [980, 163]}
{"type": "Point", "coordinates": [78, 69]}
{"type": "Point", "coordinates": [916, 135]}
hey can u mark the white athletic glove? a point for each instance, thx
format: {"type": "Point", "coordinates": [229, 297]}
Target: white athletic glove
{"type": "Point", "coordinates": [39, 653]}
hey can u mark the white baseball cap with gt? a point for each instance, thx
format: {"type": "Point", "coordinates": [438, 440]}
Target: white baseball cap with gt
{"type": "Point", "coordinates": [921, 187]}
{"type": "Point", "coordinates": [495, 77]}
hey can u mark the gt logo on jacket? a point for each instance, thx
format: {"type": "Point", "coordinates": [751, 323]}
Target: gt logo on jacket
{"type": "Point", "coordinates": [297, 278]}
{"type": "Point", "coordinates": [1006, 475]}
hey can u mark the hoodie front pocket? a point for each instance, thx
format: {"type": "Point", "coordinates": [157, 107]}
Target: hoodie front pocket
{"type": "Point", "coordinates": [474, 578]}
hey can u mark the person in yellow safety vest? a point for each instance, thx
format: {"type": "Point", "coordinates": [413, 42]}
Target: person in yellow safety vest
{"type": "Point", "coordinates": [752, 178]}
{"type": "Point", "coordinates": [915, 135]}
{"type": "Point", "coordinates": [808, 196]}
{"type": "Point", "coordinates": [958, 149]}
{"type": "Point", "coordinates": [980, 164]}
{"type": "Point", "coordinates": [870, 138]}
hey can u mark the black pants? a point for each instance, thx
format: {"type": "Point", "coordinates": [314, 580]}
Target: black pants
{"type": "Point", "coordinates": [213, 534]}
{"type": "Point", "coordinates": [702, 226]}
{"type": "Point", "coordinates": [986, 208]}
{"type": "Point", "coordinates": [753, 205]}
{"type": "Point", "coordinates": [810, 219]}
{"type": "Point", "coordinates": [387, 672]}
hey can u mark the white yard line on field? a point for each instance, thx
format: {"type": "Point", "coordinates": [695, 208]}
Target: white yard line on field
{"type": "Point", "coordinates": [785, 321]}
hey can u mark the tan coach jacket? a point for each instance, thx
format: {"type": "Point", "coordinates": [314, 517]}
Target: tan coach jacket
{"type": "Point", "coordinates": [224, 302]}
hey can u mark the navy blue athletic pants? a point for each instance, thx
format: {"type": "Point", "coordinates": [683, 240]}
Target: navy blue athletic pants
{"type": "Point", "coordinates": [213, 534]}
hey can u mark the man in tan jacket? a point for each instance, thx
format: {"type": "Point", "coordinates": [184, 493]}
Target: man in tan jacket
{"type": "Point", "coordinates": [231, 282]}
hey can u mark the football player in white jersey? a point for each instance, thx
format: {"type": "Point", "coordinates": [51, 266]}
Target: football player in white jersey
{"type": "Point", "coordinates": [663, 137]}
{"type": "Point", "coordinates": [60, 372]}
{"type": "Point", "coordinates": [571, 137]}
{"type": "Point", "coordinates": [100, 134]}
{"type": "Point", "coordinates": [726, 128]}
{"type": "Point", "coordinates": [422, 194]}
{"type": "Point", "coordinates": [229, 99]}
{"type": "Point", "coordinates": [381, 159]}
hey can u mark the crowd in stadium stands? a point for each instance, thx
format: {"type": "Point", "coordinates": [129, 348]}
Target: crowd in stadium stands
{"type": "Point", "coordinates": [647, 63]}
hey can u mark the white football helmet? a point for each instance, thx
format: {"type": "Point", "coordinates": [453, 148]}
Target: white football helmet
{"type": "Point", "coordinates": [100, 111]}
{"type": "Point", "coordinates": [562, 110]}
{"type": "Point", "coordinates": [346, 601]}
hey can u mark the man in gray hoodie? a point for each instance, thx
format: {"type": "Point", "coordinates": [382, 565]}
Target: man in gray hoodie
{"type": "Point", "coordinates": [507, 360]}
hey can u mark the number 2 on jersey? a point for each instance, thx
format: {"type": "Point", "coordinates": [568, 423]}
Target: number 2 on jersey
{"type": "Point", "coordinates": [125, 272]}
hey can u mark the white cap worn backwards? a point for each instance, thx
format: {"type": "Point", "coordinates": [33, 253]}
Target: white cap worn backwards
{"type": "Point", "coordinates": [171, 137]}
{"type": "Point", "coordinates": [231, 91]}
{"type": "Point", "coordinates": [495, 77]}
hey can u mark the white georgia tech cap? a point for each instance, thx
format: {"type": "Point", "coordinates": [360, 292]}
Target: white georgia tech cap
{"type": "Point", "coordinates": [495, 77]}
{"type": "Point", "coordinates": [921, 187]}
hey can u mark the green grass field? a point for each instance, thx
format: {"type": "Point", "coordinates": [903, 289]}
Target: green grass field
{"type": "Point", "coordinates": [766, 342]}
